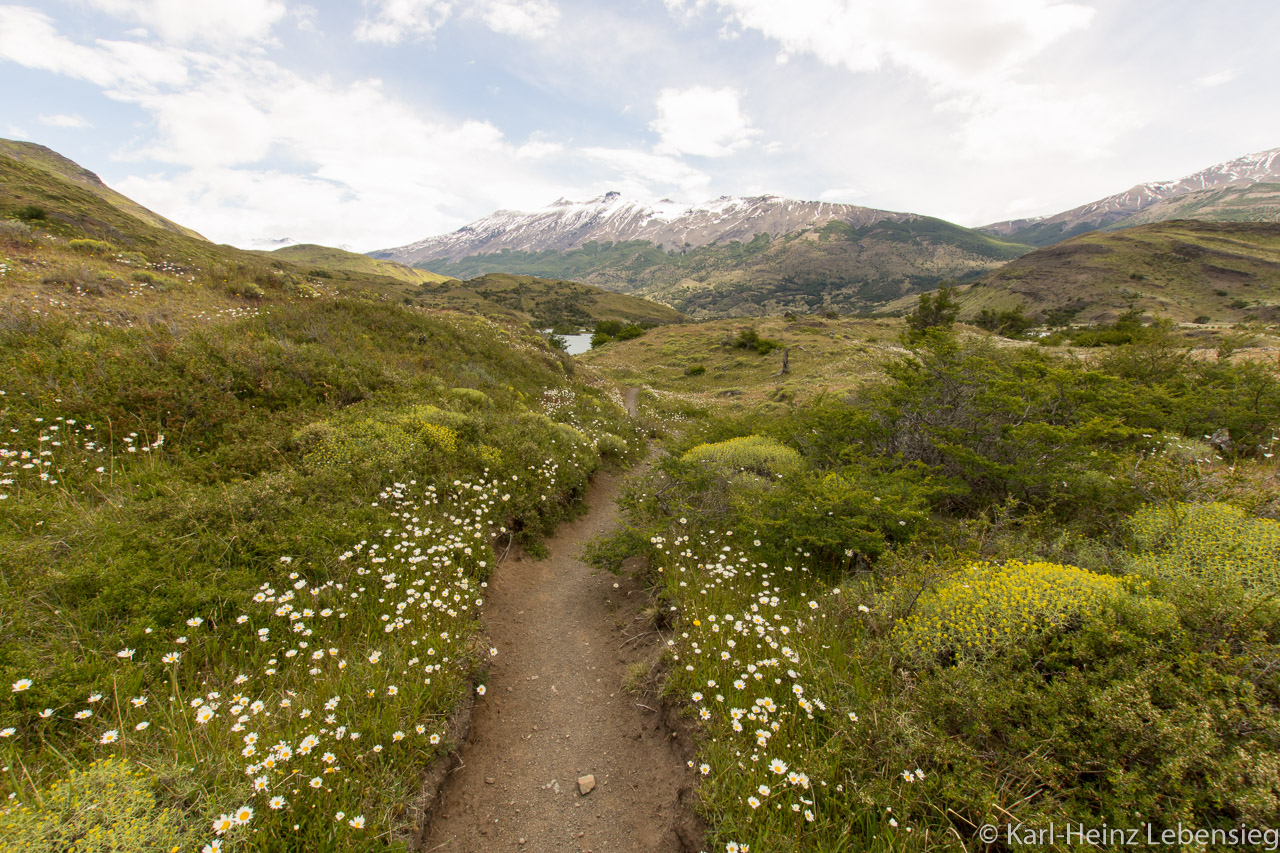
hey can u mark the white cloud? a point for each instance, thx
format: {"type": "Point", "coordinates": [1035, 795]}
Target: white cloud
{"type": "Point", "coordinates": [1218, 78]}
{"type": "Point", "coordinates": [209, 21]}
{"type": "Point", "coordinates": [29, 38]}
{"type": "Point", "coordinates": [640, 174]}
{"type": "Point", "coordinates": [701, 120]}
{"type": "Point", "coordinates": [394, 21]}
{"type": "Point", "coordinates": [841, 195]}
{"type": "Point", "coordinates": [72, 122]}
{"type": "Point", "coordinates": [524, 18]}
{"type": "Point", "coordinates": [971, 56]}
{"type": "Point", "coordinates": [1019, 122]}
{"type": "Point", "coordinates": [950, 44]}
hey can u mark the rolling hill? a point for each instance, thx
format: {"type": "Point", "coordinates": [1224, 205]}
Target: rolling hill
{"type": "Point", "coordinates": [330, 260]}
{"type": "Point", "coordinates": [1186, 270]}
{"type": "Point", "coordinates": [731, 257]}
{"type": "Point", "coordinates": [38, 157]}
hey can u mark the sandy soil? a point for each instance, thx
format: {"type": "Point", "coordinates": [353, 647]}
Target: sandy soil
{"type": "Point", "coordinates": [555, 709]}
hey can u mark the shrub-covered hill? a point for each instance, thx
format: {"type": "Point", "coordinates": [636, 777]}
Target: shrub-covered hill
{"type": "Point", "coordinates": [61, 170]}
{"type": "Point", "coordinates": [545, 303]}
{"type": "Point", "coordinates": [1183, 270]}
{"type": "Point", "coordinates": [247, 516]}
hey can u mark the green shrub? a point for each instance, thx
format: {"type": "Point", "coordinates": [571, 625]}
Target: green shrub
{"type": "Point", "coordinates": [92, 247]}
{"type": "Point", "coordinates": [695, 370]}
{"type": "Point", "coordinates": [756, 454]}
{"type": "Point", "coordinates": [14, 233]}
{"type": "Point", "coordinates": [471, 397]}
{"type": "Point", "coordinates": [750, 339]}
{"type": "Point", "coordinates": [985, 607]}
{"type": "Point", "coordinates": [246, 290]}
{"type": "Point", "coordinates": [612, 448]}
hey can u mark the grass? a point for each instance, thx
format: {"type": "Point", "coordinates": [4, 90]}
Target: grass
{"type": "Point", "coordinates": [701, 365]}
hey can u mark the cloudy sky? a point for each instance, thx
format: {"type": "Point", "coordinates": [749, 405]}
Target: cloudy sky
{"type": "Point", "coordinates": [371, 124]}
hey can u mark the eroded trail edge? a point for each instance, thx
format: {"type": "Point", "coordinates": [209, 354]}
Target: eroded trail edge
{"type": "Point", "coordinates": [556, 709]}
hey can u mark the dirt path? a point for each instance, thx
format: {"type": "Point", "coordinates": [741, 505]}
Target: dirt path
{"type": "Point", "coordinates": [555, 710]}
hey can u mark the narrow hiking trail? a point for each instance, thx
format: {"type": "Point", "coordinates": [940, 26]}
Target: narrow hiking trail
{"type": "Point", "coordinates": [556, 709]}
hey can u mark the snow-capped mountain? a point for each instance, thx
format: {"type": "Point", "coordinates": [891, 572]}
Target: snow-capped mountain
{"type": "Point", "coordinates": [1043, 230]}
{"type": "Point", "coordinates": [568, 225]}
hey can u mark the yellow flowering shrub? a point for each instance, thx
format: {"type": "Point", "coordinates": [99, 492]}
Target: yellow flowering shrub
{"type": "Point", "coordinates": [986, 606]}
{"type": "Point", "coordinates": [1209, 543]}
{"type": "Point", "coordinates": [490, 456]}
{"type": "Point", "coordinates": [108, 806]}
{"type": "Point", "coordinates": [755, 453]}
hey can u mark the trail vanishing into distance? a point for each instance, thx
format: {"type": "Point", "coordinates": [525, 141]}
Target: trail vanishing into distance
{"type": "Point", "coordinates": [561, 756]}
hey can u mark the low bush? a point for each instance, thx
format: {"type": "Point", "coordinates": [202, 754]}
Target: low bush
{"type": "Point", "coordinates": [755, 454]}
{"type": "Point", "coordinates": [1214, 546]}
{"type": "Point", "coordinates": [92, 247]}
{"type": "Point", "coordinates": [984, 608]}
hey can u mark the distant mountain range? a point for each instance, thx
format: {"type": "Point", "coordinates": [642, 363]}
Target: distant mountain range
{"type": "Point", "coordinates": [765, 254]}
{"type": "Point", "coordinates": [753, 255]}
{"type": "Point", "coordinates": [1158, 200]}
{"type": "Point", "coordinates": [612, 218]}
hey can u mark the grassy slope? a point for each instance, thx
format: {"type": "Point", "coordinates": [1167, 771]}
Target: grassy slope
{"type": "Point", "coordinates": [1228, 272]}
{"type": "Point", "coordinates": [332, 260]}
{"type": "Point", "coordinates": [177, 417]}
{"type": "Point", "coordinates": [39, 157]}
{"type": "Point", "coordinates": [833, 267]}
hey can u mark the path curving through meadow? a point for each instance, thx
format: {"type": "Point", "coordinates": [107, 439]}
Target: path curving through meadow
{"type": "Point", "coordinates": [556, 709]}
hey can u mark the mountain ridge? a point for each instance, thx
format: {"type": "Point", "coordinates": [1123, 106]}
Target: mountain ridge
{"type": "Point", "coordinates": [564, 225]}
{"type": "Point", "coordinates": [729, 256]}
{"type": "Point", "coordinates": [1113, 210]}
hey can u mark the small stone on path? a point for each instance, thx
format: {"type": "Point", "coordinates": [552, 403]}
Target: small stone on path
{"type": "Point", "coordinates": [586, 784]}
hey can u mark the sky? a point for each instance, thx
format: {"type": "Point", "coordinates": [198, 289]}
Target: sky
{"type": "Point", "coordinates": [369, 124]}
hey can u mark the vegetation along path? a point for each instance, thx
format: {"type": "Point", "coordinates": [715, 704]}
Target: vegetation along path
{"type": "Point", "coordinates": [555, 710]}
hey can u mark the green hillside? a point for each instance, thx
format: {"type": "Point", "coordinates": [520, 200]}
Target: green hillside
{"type": "Point", "coordinates": [39, 157]}
{"type": "Point", "coordinates": [837, 267]}
{"type": "Point", "coordinates": [332, 260]}
{"type": "Point", "coordinates": [218, 476]}
{"type": "Point", "coordinates": [1219, 272]}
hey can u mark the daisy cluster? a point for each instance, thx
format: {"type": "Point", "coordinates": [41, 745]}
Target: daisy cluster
{"type": "Point", "coordinates": [331, 678]}
{"type": "Point", "coordinates": [748, 656]}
